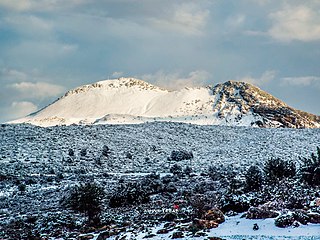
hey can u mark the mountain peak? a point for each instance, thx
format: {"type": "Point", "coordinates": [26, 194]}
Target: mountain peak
{"type": "Point", "coordinates": [130, 100]}
{"type": "Point", "coordinates": [114, 84]}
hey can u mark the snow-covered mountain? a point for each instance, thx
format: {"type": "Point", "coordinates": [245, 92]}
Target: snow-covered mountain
{"type": "Point", "coordinates": [129, 100]}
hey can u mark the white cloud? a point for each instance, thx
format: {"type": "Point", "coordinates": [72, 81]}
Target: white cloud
{"type": "Point", "coordinates": [17, 5]}
{"type": "Point", "coordinates": [8, 74]}
{"type": "Point", "coordinates": [186, 18]}
{"type": "Point", "coordinates": [117, 74]}
{"type": "Point", "coordinates": [38, 90]}
{"type": "Point", "coordinates": [302, 81]}
{"type": "Point", "coordinates": [260, 2]}
{"type": "Point", "coordinates": [236, 21]}
{"type": "Point", "coordinates": [266, 77]}
{"type": "Point", "coordinates": [21, 109]}
{"type": "Point", "coordinates": [30, 25]}
{"type": "Point", "coordinates": [41, 50]}
{"type": "Point", "coordinates": [39, 5]}
{"type": "Point", "coordinates": [296, 23]}
{"type": "Point", "coordinates": [174, 81]}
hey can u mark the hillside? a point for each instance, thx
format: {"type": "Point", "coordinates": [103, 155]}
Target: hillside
{"type": "Point", "coordinates": [129, 100]}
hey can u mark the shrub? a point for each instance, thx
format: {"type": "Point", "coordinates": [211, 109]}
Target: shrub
{"type": "Point", "coordinates": [221, 172]}
{"type": "Point", "coordinates": [187, 170]}
{"type": "Point", "coordinates": [86, 198]}
{"type": "Point", "coordinates": [276, 168]}
{"type": "Point", "coordinates": [71, 152]}
{"type": "Point", "coordinates": [200, 203]}
{"type": "Point", "coordinates": [131, 193]}
{"type": "Point", "coordinates": [105, 151]}
{"type": "Point", "coordinates": [83, 152]}
{"type": "Point", "coordinates": [284, 221]}
{"type": "Point", "coordinates": [179, 155]}
{"type": "Point", "coordinates": [129, 155]}
{"type": "Point", "coordinates": [235, 203]}
{"type": "Point", "coordinates": [22, 187]}
{"type": "Point", "coordinates": [310, 169]}
{"type": "Point", "coordinates": [176, 169]}
{"type": "Point", "coordinates": [152, 184]}
{"type": "Point", "coordinates": [254, 178]}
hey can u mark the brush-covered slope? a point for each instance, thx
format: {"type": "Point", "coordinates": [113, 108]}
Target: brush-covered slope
{"type": "Point", "coordinates": [129, 100]}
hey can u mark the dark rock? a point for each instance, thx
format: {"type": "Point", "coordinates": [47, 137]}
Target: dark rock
{"type": "Point", "coordinates": [169, 217]}
{"type": "Point", "coordinates": [231, 213]}
{"type": "Point", "coordinates": [296, 224]}
{"type": "Point", "coordinates": [236, 205]}
{"type": "Point", "coordinates": [301, 216]}
{"type": "Point", "coordinates": [200, 234]}
{"type": "Point", "coordinates": [314, 217]}
{"type": "Point", "coordinates": [169, 225]}
{"type": "Point", "coordinates": [260, 213]}
{"type": "Point", "coordinates": [284, 221]}
{"type": "Point", "coordinates": [150, 235]}
{"type": "Point", "coordinates": [214, 215]}
{"type": "Point", "coordinates": [103, 235]}
{"type": "Point", "coordinates": [255, 227]}
{"type": "Point", "coordinates": [177, 235]}
{"type": "Point", "coordinates": [162, 231]}
{"type": "Point", "coordinates": [199, 224]}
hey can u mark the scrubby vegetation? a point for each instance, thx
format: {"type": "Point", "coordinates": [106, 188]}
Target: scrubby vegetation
{"type": "Point", "coordinates": [179, 155]}
{"type": "Point", "coordinates": [254, 178]}
{"type": "Point", "coordinates": [276, 169]}
{"type": "Point", "coordinates": [132, 186]}
{"type": "Point", "coordinates": [86, 198]}
{"type": "Point", "coordinates": [310, 169]}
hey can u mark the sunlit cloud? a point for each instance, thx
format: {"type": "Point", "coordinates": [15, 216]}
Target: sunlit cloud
{"type": "Point", "coordinates": [295, 23]}
{"type": "Point", "coordinates": [265, 78]}
{"type": "Point", "coordinates": [29, 90]}
{"type": "Point", "coordinates": [21, 109]}
{"type": "Point", "coordinates": [176, 80]}
{"type": "Point", "coordinates": [186, 18]}
{"type": "Point", "coordinates": [302, 81]}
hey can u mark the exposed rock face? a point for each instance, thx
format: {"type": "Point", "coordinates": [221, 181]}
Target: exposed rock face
{"type": "Point", "coordinates": [246, 98]}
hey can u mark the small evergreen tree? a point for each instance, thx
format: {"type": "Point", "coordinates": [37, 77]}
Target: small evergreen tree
{"type": "Point", "coordinates": [254, 178]}
{"type": "Point", "coordinates": [22, 187]}
{"type": "Point", "coordinates": [187, 170]}
{"type": "Point", "coordinates": [276, 169]}
{"type": "Point", "coordinates": [176, 169]}
{"type": "Point", "coordinates": [105, 151]}
{"type": "Point", "coordinates": [86, 198]}
{"type": "Point", "coordinates": [179, 155]}
{"type": "Point", "coordinates": [71, 152]}
{"type": "Point", "coordinates": [129, 193]}
{"type": "Point", "coordinates": [310, 169]}
{"type": "Point", "coordinates": [83, 152]}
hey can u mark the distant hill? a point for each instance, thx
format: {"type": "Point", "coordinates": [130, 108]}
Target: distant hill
{"type": "Point", "coordinates": [129, 100]}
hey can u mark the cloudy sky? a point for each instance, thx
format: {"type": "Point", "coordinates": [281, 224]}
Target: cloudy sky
{"type": "Point", "coordinates": [50, 46]}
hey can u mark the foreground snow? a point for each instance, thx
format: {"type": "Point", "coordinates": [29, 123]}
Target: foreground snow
{"type": "Point", "coordinates": [241, 228]}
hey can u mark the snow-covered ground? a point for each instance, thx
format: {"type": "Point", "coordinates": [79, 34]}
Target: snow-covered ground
{"type": "Point", "coordinates": [238, 228]}
{"type": "Point", "coordinates": [39, 158]}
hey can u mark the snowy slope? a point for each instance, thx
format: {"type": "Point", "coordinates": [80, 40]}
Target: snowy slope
{"type": "Point", "coordinates": [129, 100]}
